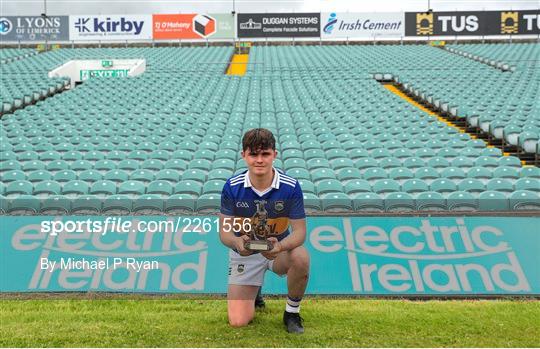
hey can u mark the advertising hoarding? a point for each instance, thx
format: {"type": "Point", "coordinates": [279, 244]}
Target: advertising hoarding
{"type": "Point", "coordinates": [192, 26]}
{"type": "Point", "coordinates": [278, 25]}
{"type": "Point", "coordinates": [349, 255]}
{"type": "Point", "coordinates": [34, 28]}
{"type": "Point", "coordinates": [472, 23]}
{"type": "Point", "coordinates": [110, 27]}
{"type": "Point", "coordinates": [362, 25]}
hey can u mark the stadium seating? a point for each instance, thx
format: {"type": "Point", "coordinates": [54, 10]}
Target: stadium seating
{"type": "Point", "coordinates": [166, 141]}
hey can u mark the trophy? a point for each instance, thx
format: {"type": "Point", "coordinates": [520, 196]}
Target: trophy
{"type": "Point", "coordinates": [260, 230]}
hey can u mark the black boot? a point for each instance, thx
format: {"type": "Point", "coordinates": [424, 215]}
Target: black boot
{"type": "Point", "coordinates": [293, 322]}
{"type": "Point", "coordinates": [259, 301]}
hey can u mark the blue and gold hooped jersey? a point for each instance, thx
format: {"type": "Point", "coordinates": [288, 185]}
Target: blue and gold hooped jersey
{"type": "Point", "coordinates": [282, 201]}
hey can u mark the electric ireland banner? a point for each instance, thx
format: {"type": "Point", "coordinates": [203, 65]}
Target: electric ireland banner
{"type": "Point", "coordinates": [430, 256]}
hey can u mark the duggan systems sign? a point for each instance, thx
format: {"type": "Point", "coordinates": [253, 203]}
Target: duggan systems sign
{"type": "Point", "coordinates": [352, 255]}
{"type": "Point", "coordinates": [278, 25]}
{"type": "Point", "coordinates": [192, 26]}
{"type": "Point", "coordinates": [110, 27]}
{"type": "Point", "coordinates": [34, 28]}
{"type": "Point", "coordinates": [478, 23]}
{"type": "Point", "coordinates": [362, 25]}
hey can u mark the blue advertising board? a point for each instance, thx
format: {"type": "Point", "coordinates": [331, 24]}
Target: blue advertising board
{"type": "Point", "coordinates": [349, 255]}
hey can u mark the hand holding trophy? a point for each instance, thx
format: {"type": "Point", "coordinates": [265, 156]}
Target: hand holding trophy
{"type": "Point", "coordinates": [260, 231]}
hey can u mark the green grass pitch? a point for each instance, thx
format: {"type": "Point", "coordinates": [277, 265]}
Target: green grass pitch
{"type": "Point", "coordinates": [169, 322]}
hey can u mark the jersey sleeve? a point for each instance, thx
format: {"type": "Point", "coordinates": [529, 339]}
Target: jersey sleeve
{"type": "Point", "coordinates": [227, 202]}
{"type": "Point", "coordinates": [297, 203]}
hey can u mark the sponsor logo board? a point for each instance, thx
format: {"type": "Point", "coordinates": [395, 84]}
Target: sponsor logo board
{"type": "Point", "coordinates": [110, 27]}
{"type": "Point", "coordinates": [477, 23]}
{"type": "Point", "coordinates": [192, 26]}
{"type": "Point", "coordinates": [34, 28]}
{"type": "Point", "coordinates": [275, 25]}
{"type": "Point", "coordinates": [362, 25]}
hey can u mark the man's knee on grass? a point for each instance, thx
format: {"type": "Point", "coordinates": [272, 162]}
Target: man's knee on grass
{"type": "Point", "coordinates": [241, 312]}
{"type": "Point", "coordinates": [239, 320]}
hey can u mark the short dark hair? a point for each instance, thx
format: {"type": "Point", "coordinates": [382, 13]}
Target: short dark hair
{"type": "Point", "coordinates": [258, 139]}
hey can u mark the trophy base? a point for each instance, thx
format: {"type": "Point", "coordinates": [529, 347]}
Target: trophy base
{"type": "Point", "coordinates": [259, 245]}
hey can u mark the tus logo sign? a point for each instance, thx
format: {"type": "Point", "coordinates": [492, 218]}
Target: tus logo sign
{"type": "Point", "coordinates": [425, 258]}
{"type": "Point", "coordinates": [332, 20]}
{"type": "Point", "coordinates": [5, 26]}
{"type": "Point", "coordinates": [509, 23]}
{"type": "Point", "coordinates": [424, 23]}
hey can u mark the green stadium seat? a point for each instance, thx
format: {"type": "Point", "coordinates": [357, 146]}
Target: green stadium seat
{"type": "Point", "coordinates": [152, 165]}
{"type": "Point", "coordinates": [40, 175]}
{"type": "Point", "coordinates": [415, 186]}
{"type": "Point", "coordinates": [189, 187]}
{"type": "Point", "coordinates": [530, 184]}
{"type": "Point", "coordinates": [368, 202]}
{"type": "Point", "coordinates": [103, 187]}
{"type": "Point", "coordinates": [208, 203]}
{"type": "Point", "coordinates": [329, 186]}
{"type": "Point", "coordinates": [385, 186]}
{"type": "Point", "coordinates": [443, 186]}
{"type": "Point", "coordinates": [492, 201]}
{"type": "Point", "coordinates": [81, 165]}
{"type": "Point", "coordinates": [374, 174]}
{"type": "Point", "coordinates": [312, 203]}
{"type": "Point", "coordinates": [118, 176]}
{"type": "Point", "coordinates": [314, 164]}
{"type": "Point", "coordinates": [348, 173]}
{"type": "Point", "coordinates": [319, 174]}
{"type": "Point", "coordinates": [530, 171]}
{"type": "Point", "coordinates": [75, 187]}
{"type": "Point", "coordinates": [461, 201]}
{"type": "Point", "coordinates": [23, 205]}
{"type": "Point", "coordinates": [481, 173]}
{"type": "Point", "coordinates": [401, 173]}
{"type": "Point", "coordinates": [336, 202]}
{"type": "Point", "coordinates": [524, 200]}
{"type": "Point", "coordinates": [57, 165]}
{"type": "Point", "coordinates": [399, 202]}
{"type": "Point", "coordinates": [142, 175]}
{"type": "Point", "coordinates": [148, 204]}
{"type": "Point", "coordinates": [506, 172]}
{"type": "Point", "coordinates": [90, 176]}
{"type": "Point", "coordinates": [500, 185]}
{"type": "Point", "coordinates": [118, 205]}
{"type": "Point", "coordinates": [430, 201]}
{"type": "Point", "coordinates": [20, 187]}
{"type": "Point", "coordinates": [194, 174]}
{"type": "Point", "coordinates": [132, 187]}
{"type": "Point", "coordinates": [413, 163]}
{"type": "Point", "coordinates": [47, 188]}
{"type": "Point", "coordinates": [511, 161]}
{"type": "Point", "coordinates": [128, 165]}
{"type": "Point", "coordinates": [178, 204]}
{"type": "Point", "coordinates": [56, 205]}
{"type": "Point", "coordinates": [226, 164]}
{"type": "Point", "coordinates": [213, 186]}
{"type": "Point", "coordinates": [14, 175]}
